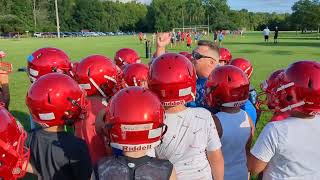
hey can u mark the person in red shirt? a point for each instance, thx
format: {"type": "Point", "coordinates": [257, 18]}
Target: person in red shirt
{"type": "Point", "coordinates": [183, 36]}
{"type": "Point", "coordinates": [98, 76]}
{"type": "Point", "coordinates": [140, 37]}
{"type": "Point", "coordinates": [189, 41]}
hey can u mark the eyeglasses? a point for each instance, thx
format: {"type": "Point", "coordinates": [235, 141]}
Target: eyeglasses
{"type": "Point", "coordinates": [197, 56]}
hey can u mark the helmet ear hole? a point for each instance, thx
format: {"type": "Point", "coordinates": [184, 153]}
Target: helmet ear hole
{"type": "Point", "coordinates": [310, 84]}
{"type": "Point", "coordinates": [229, 79]}
{"type": "Point", "coordinates": [89, 72]}
{"type": "Point", "coordinates": [289, 98]}
{"type": "Point", "coordinates": [49, 99]}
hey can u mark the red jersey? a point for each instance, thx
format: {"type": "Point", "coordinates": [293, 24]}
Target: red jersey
{"type": "Point", "coordinates": [140, 35]}
{"type": "Point", "coordinates": [189, 40]}
{"type": "Point", "coordinates": [86, 130]}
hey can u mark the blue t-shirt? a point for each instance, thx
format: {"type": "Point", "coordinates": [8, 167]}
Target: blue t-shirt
{"type": "Point", "coordinates": [221, 37]}
{"type": "Point", "coordinates": [251, 110]}
{"type": "Point", "coordinates": [200, 95]}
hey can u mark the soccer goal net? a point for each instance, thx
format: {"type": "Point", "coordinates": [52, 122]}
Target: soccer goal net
{"type": "Point", "coordinates": [197, 28]}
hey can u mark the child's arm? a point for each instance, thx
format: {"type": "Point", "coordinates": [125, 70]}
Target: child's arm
{"type": "Point", "coordinates": [218, 125]}
{"type": "Point", "coordinates": [214, 153]}
{"type": "Point", "coordinates": [5, 93]}
{"type": "Point", "coordinates": [99, 122]}
{"type": "Point", "coordinates": [216, 161]}
{"type": "Point", "coordinates": [249, 143]}
{"type": "Point", "coordinates": [173, 174]}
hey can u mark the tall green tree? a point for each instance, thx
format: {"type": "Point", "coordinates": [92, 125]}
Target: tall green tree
{"type": "Point", "coordinates": [306, 14]}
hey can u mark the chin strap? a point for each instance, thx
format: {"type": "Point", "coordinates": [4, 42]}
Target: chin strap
{"type": "Point", "coordinates": [97, 87]}
{"type": "Point", "coordinates": [292, 106]}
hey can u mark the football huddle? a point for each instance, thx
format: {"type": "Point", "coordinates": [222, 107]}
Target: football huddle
{"type": "Point", "coordinates": [185, 115]}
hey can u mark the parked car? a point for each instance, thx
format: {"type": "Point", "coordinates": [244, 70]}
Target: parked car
{"type": "Point", "coordinates": [37, 34]}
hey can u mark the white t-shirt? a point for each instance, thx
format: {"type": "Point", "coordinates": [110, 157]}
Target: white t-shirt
{"type": "Point", "coordinates": [190, 134]}
{"type": "Point", "coordinates": [236, 131]}
{"type": "Point", "coordinates": [266, 32]}
{"type": "Point", "coordinates": [292, 149]}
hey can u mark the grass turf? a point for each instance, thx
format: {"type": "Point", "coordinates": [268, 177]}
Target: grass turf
{"type": "Point", "coordinates": [265, 57]}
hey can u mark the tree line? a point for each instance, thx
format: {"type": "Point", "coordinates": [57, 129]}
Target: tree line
{"type": "Point", "coordinates": [160, 15]}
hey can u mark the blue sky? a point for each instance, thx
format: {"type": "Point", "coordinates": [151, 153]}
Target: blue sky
{"type": "Point", "coordinates": [279, 6]}
{"type": "Point", "coordinates": [262, 5]}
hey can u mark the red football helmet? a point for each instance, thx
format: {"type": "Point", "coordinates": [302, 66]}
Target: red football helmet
{"type": "Point", "coordinates": [47, 60]}
{"type": "Point", "coordinates": [173, 78]}
{"type": "Point", "coordinates": [299, 88]}
{"type": "Point", "coordinates": [225, 55]}
{"type": "Point", "coordinates": [14, 155]}
{"type": "Point", "coordinates": [227, 86]}
{"type": "Point", "coordinates": [187, 55]}
{"type": "Point", "coordinates": [138, 127]}
{"type": "Point", "coordinates": [56, 99]}
{"type": "Point", "coordinates": [97, 74]}
{"type": "Point", "coordinates": [126, 56]}
{"type": "Point", "coordinates": [243, 64]}
{"type": "Point", "coordinates": [267, 88]}
{"type": "Point", "coordinates": [136, 74]}
{"type": "Point", "coordinates": [184, 53]}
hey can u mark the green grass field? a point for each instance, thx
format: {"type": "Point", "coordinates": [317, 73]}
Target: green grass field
{"type": "Point", "coordinates": [265, 57]}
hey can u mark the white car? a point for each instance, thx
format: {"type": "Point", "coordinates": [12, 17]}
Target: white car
{"type": "Point", "coordinates": [37, 34]}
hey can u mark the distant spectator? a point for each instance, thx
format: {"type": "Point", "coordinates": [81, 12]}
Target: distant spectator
{"type": "Point", "coordinates": [189, 41]}
{"type": "Point", "coordinates": [197, 37]}
{"type": "Point", "coordinates": [178, 37]}
{"type": "Point", "coordinates": [215, 36]}
{"type": "Point", "coordinates": [220, 37]}
{"type": "Point", "coordinates": [145, 36]}
{"type": "Point", "coordinates": [154, 38]}
{"type": "Point", "coordinates": [266, 33]}
{"type": "Point", "coordinates": [140, 37]}
{"type": "Point", "coordinates": [183, 36]}
{"type": "Point", "coordinates": [276, 34]}
{"type": "Point", "coordinates": [173, 39]}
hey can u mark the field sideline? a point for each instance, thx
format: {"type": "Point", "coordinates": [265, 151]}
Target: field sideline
{"type": "Point", "coordinates": [265, 57]}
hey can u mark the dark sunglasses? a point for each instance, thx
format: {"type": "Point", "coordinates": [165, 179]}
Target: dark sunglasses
{"type": "Point", "coordinates": [197, 56]}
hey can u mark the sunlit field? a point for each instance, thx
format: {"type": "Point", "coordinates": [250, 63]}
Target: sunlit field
{"type": "Point", "coordinates": [265, 57]}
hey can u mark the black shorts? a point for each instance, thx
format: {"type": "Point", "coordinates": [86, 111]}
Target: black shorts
{"type": "Point", "coordinates": [188, 45]}
{"type": "Point", "coordinates": [266, 37]}
{"type": "Point", "coordinates": [276, 37]}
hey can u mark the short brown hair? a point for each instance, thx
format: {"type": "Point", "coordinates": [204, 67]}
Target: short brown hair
{"type": "Point", "coordinates": [209, 44]}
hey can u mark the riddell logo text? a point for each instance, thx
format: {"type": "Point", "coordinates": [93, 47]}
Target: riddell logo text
{"type": "Point", "coordinates": [174, 103]}
{"type": "Point", "coordinates": [137, 148]}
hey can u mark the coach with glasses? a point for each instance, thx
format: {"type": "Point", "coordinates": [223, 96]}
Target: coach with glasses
{"type": "Point", "coordinates": [205, 60]}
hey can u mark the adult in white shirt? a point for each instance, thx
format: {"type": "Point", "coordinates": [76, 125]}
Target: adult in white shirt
{"type": "Point", "coordinates": [191, 142]}
{"type": "Point", "coordinates": [266, 33]}
{"type": "Point", "coordinates": [289, 149]}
